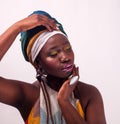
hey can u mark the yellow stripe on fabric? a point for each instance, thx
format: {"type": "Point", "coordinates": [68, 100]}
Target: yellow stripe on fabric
{"type": "Point", "coordinates": [32, 119]}
{"type": "Point", "coordinates": [80, 110]}
{"type": "Point", "coordinates": [31, 42]}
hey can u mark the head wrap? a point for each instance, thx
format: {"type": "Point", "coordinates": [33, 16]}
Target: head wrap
{"type": "Point", "coordinates": [31, 34]}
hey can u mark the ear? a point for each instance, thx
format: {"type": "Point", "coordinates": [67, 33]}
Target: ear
{"type": "Point", "coordinates": [37, 65]}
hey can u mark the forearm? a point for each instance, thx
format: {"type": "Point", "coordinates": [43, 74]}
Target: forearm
{"type": "Point", "coordinates": [70, 114]}
{"type": "Point", "coordinates": [7, 38]}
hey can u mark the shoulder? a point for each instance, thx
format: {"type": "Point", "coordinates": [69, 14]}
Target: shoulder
{"type": "Point", "coordinates": [91, 102]}
{"type": "Point", "coordinates": [87, 93]}
{"type": "Point", "coordinates": [88, 89]}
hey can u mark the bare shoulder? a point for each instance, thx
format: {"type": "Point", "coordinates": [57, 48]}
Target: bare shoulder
{"type": "Point", "coordinates": [92, 103]}
{"type": "Point", "coordinates": [86, 93]}
{"type": "Point", "coordinates": [88, 89]}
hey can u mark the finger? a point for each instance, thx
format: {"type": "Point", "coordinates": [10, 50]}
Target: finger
{"type": "Point", "coordinates": [48, 26]}
{"type": "Point", "coordinates": [74, 80]}
{"type": "Point", "coordinates": [78, 70]}
{"type": "Point", "coordinates": [44, 17]}
{"type": "Point", "coordinates": [51, 22]}
{"type": "Point", "coordinates": [74, 71]}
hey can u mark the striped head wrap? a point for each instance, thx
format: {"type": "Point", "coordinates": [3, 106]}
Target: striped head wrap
{"type": "Point", "coordinates": [29, 37]}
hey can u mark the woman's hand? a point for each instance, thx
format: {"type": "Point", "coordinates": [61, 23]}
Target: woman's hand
{"type": "Point", "coordinates": [64, 96]}
{"type": "Point", "coordinates": [36, 20]}
{"type": "Point", "coordinates": [66, 90]}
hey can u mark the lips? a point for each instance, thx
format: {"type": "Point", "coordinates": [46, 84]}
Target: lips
{"type": "Point", "coordinates": [67, 68]}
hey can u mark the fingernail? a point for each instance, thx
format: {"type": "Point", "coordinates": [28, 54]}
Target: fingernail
{"type": "Point", "coordinates": [73, 80]}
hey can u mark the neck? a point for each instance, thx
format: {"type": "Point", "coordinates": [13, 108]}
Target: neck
{"type": "Point", "coordinates": [55, 82]}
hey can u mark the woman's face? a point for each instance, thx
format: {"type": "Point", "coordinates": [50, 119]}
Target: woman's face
{"type": "Point", "coordinates": [57, 57]}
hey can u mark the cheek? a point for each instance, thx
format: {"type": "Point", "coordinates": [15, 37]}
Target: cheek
{"type": "Point", "coordinates": [50, 65]}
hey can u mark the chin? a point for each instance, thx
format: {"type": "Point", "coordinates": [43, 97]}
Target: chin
{"type": "Point", "coordinates": [62, 75]}
{"type": "Point", "coordinates": [67, 75]}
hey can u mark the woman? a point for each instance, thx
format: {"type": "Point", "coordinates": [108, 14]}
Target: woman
{"type": "Point", "coordinates": [57, 97]}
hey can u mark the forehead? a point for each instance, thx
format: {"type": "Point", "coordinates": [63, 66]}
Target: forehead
{"type": "Point", "coordinates": [56, 41]}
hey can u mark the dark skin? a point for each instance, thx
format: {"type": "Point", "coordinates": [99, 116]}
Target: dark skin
{"type": "Point", "coordinates": [53, 57]}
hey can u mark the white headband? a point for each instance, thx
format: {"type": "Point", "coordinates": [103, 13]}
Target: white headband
{"type": "Point", "coordinates": [40, 42]}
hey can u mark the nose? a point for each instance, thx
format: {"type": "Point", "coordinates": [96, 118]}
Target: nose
{"type": "Point", "coordinates": [63, 57]}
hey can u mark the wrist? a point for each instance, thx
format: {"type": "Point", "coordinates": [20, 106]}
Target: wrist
{"type": "Point", "coordinates": [14, 30]}
{"type": "Point", "coordinates": [17, 27]}
{"type": "Point", "coordinates": [62, 101]}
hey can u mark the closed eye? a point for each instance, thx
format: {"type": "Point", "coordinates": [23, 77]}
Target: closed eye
{"type": "Point", "coordinates": [67, 47]}
{"type": "Point", "coordinates": [53, 53]}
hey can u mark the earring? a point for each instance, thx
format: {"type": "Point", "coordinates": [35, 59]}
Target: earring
{"type": "Point", "coordinates": [41, 76]}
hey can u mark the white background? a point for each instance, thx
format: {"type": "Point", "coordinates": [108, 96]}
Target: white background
{"type": "Point", "coordinates": [93, 27]}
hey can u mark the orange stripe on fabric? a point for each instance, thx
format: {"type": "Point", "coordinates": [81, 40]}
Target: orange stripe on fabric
{"type": "Point", "coordinates": [32, 119]}
{"type": "Point", "coordinates": [31, 42]}
{"type": "Point", "coordinates": [80, 110]}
